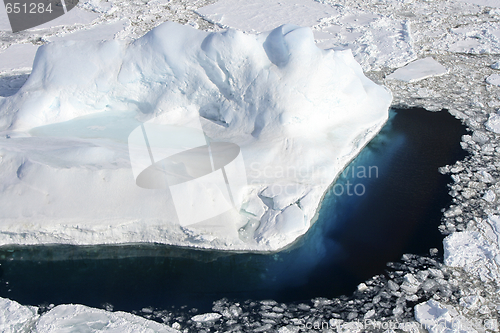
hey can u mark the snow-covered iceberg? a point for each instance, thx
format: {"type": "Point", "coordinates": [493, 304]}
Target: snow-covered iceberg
{"type": "Point", "coordinates": [296, 113]}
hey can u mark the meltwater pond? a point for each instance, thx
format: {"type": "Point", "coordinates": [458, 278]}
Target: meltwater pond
{"type": "Point", "coordinates": [387, 202]}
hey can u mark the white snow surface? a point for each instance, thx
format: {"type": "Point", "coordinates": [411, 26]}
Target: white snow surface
{"type": "Point", "coordinates": [17, 57]}
{"type": "Point", "coordinates": [80, 318]}
{"type": "Point", "coordinates": [16, 318]}
{"type": "Point", "coordinates": [376, 40]}
{"type": "Point", "coordinates": [418, 70]}
{"type": "Point", "coordinates": [74, 16]}
{"type": "Point", "coordinates": [493, 123]}
{"type": "Point", "coordinates": [250, 16]}
{"type": "Point", "coordinates": [299, 114]}
{"type": "Point", "coordinates": [488, 3]}
{"type": "Point", "coordinates": [105, 31]}
{"type": "Point", "coordinates": [477, 254]}
{"type": "Point", "coordinates": [493, 79]}
{"type": "Point", "coordinates": [478, 38]}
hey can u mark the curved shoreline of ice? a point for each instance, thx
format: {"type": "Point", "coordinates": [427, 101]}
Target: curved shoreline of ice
{"type": "Point", "coordinates": [299, 114]}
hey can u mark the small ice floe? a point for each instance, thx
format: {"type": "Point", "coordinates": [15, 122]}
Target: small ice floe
{"type": "Point", "coordinates": [489, 196]}
{"type": "Point", "coordinates": [206, 317]}
{"type": "Point", "coordinates": [418, 70]}
{"type": "Point", "coordinates": [493, 79]}
{"type": "Point", "coordinates": [493, 123]}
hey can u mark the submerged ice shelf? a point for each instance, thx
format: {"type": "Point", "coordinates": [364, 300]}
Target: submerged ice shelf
{"type": "Point", "coordinates": [299, 114]}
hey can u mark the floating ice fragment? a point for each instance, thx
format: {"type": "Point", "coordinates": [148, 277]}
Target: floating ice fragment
{"type": "Point", "coordinates": [201, 318]}
{"type": "Point", "coordinates": [489, 196]}
{"type": "Point", "coordinates": [493, 123]}
{"type": "Point", "coordinates": [493, 79]}
{"type": "Point", "coordinates": [453, 211]}
{"type": "Point", "coordinates": [362, 287]}
{"type": "Point", "coordinates": [471, 302]}
{"type": "Point", "coordinates": [485, 177]}
{"type": "Point", "coordinates": [418, 70]}
{"type": "Point", "coordinates": [480, 137]}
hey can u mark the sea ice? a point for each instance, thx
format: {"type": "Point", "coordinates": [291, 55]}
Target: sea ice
{"type": "Point", "coordinates": [475, 38]}
{"type": "Point", "coordinates": [489, 3]}
{"type": "Point", "coordinates": [493, 79]}
{"type": "Point", "coordinates": [376, 40]}
{"type": "Point", "coordinates": [299, 114]}
{"type": "Point", "coordinates": [74, 16]}
{"type": "Point", "coordinates": [105, 31]}
{"type": "Point", "coordinates": [418, 70]}
{"type": "Point", "coordinates": [250, 16]}
{"type": "Point", "coordinates": [16, 318]}
{"type": "Point", "coordinates": [493, 123]}
{"type": "Point", "coordinates": [80, 318]}
{"type": "Point", "coordinates": [439, 318]}
{"type": "Point", "coordinates": [474, 252]}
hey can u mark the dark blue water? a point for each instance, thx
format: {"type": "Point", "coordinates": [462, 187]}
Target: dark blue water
{"type": "Point", "coordinates": [386, 203]}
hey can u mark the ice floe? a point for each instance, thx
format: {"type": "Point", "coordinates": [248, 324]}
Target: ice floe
{"type": "Point", "coordinates": [16, 318]}
{"type": "Point", "coordinates": [418, 70]}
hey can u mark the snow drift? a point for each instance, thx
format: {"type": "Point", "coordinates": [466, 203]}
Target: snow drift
{"type": "Point", "coordinates": [298, 113]}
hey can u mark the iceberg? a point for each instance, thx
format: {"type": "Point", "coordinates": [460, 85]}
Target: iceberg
{"type": "Point", "coordinates": [262, 123]}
